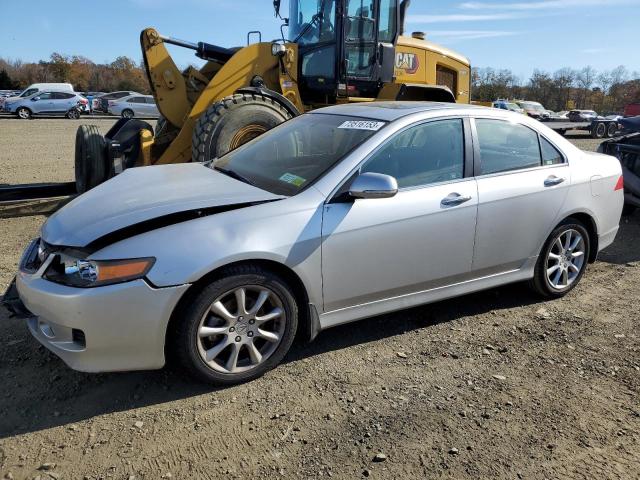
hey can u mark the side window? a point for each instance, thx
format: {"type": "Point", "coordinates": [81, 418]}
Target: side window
{"type": "Point", "coordinates": [137, 100]}
{"type": "Point", "coordinates": [45, 96]}
{"type": "Point", "coordinates": [550, 154]}
{"type": "Point", "coordinates": [388, 21]}
{"type": "Point", "coordinates": [151, 100]}
{"type": "Point", "coordinates": [360, 21]}
{"type": "Point", "coordinates": [506, 146]}
{"type": "Point", "coordinates": [429, 153]}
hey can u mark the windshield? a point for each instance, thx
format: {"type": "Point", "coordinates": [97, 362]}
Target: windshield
{"type": "Point", "coordinates": [28, 92]}
{"type": "Point", "coordinates": [297, 153]}
{"type": "Point", "coordinates": [312, 21]}
{"type": "Point", "coordinates": [513, 107]}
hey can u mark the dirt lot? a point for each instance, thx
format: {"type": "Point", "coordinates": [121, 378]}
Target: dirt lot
{"type": "Point", "coordinates": [495, 385]}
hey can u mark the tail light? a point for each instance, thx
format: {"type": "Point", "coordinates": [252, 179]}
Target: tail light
{"type": "Point", "coordinates": [620, 184]}
{"type": "Point", "coordinates": [84, 101]}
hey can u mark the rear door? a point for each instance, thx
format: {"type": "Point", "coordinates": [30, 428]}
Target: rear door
{"type": "Point", "coordinates": [420, 239]}
{"type": "Point", "coordinates": [63, 102]}
{"type": "Point", "coordinates": [523, 181]}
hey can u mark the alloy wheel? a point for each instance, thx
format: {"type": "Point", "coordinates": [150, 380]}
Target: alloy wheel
{"type": "Point", "coordinates": [566, 259]}
{"type": "Point", "coordinates": [23, 113]}
{"type": "Point", "coordinates": [241, 329]}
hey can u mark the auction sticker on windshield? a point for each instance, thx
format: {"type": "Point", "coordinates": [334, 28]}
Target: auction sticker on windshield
{"type": "Point", "coordinates": [293, 179]}
{"type": "Point", "coordinates": [362, 125]}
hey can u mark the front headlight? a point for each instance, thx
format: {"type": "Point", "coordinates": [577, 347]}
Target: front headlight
{"type": "Point", "coordinates": [96, 273]}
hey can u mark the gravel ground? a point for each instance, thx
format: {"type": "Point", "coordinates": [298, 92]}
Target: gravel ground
{"type": "Point", "coordinates": [495, 385]}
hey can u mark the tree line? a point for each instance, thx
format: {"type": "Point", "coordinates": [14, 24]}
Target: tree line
{"type": "Point", "coordinates": [565, 89]}
{"type": "Point", "coordinates": [121, 74]}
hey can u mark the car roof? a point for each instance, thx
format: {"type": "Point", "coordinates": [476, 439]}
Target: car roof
{"type": "Point", "coordinates": [391, 111]}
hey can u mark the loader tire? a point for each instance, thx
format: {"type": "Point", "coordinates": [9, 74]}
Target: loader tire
{"type": "Point", "coordinates": [90, 162]}
{"type": "Point", "coordinates": [232, 122]}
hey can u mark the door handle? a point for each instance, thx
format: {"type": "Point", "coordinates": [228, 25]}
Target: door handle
{"type": "Point", "coordinates": [552, 181]}
{"type": "Point", "coordinates": [454, 199]}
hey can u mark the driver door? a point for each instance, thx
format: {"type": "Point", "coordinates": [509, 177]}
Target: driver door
{"type": "Point", "coordinates": [421, 239]}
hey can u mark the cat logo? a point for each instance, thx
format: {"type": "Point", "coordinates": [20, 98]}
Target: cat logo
{"type": "Point", "coordinates": [408, 62]}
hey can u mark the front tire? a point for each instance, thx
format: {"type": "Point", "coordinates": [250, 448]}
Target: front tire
{"type": "Point", "coordinates": [232, 122]}
{"type": "Point", "coordinates": [126, 113]}
{"type": "Point", "coordinates": [562, 261]}
{"type": "Point", "coordinates": [23, 113]}
{"type": "Point", "coordinates": [237, 328]}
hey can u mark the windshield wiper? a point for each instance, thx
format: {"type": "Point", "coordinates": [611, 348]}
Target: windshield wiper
{"type": "Point", "coordinates": [232, 174]}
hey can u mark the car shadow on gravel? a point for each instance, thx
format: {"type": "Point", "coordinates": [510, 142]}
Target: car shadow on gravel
{"type": "Point", "coordinates": [40, 392]}
{"type": "Point", "coordinates": [37, 391]}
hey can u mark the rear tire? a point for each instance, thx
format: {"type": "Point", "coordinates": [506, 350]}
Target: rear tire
{"type": "Point", "coordinates": [126, 113]}
{"type": "Point", "coordinates": [558, 261]}
{"type": "Point", "coordinates": [73, 114]}
{"type": "Point", "coordinates": [259, 345]}
{"type": "Point", "coordinates": [612, 129]}
{"type": "Point", "coordinates": [23, 113]}
{"type": "Point", "coordinates": [232, 122]}
{"type": "Point", "coordinates": [90, 162]}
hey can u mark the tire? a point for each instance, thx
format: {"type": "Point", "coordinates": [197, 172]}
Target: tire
{"type": "Point", "coordinates": [612, 129]}
{"type": "Point", "coordinates": [90, 161]}
{"type": "Point", "coordinates": [23, 113]}
{"type": "Point", "coordinates": [543, 282]}
{"type": "Point", "coordinates": [599, 130]}
{"type": "Point", "coordinates": [73, 114]}
{"type": "Point", "coordinates": [236, 332]}
{"type": "Point", "coordinates": [233, 121]}
{"type": "Point", "coordinates": [127, 113]}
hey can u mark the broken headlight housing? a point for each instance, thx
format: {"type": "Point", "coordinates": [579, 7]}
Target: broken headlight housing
{"type": "Point", "coordinates": [75, 272]}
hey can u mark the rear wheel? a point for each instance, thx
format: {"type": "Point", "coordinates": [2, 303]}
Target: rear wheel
{"type": "Point", "coordinates": [232, 122]}
{"type": "Point", "coordinates": [73, 114]}
{"type": "Point", "coordinates": [238, 327]}
{"type": "Point", "coordinates": [90, 162]}
{"type": "Point", "coordinates": [23, 113]}
{"type": "Point", "coordinates": [563, 260]}
{"type": "Point", "coordinates": [126, 113]}
{"type": "Point", "coordinates": [612, 129]}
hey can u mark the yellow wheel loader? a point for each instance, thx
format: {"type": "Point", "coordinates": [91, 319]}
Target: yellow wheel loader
{"type": "Point", "coordinates": [338, 51]}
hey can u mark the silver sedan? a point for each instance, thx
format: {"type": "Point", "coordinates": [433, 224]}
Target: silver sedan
{"type": "Point", "coordinates": [337, 215]}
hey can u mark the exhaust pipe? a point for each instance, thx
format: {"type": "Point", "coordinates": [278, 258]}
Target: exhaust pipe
{"type": "Point", "coordinates": [404, 5]}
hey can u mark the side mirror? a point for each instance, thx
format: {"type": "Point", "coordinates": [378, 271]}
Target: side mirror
{"type": "Point", "coordinates": [35, 99]}
{"type": "Point", "coordinates": [373, 185]}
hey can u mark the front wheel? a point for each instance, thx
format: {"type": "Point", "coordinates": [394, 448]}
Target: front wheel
{"type": "Point", "coordinates": [127, 113]}
{"type": "Point", "coordinates": [563, 260]}
{"type": "Point", "coordinates": [23, 113]}
{"type": "Point", "coordinates": [237, 328]}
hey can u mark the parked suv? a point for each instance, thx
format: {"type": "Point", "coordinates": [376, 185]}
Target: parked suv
{"type": "Point", "coordinates": [35, 88]}
{"type": "Point", "coordinates": [68, 104]}
{"type": "Point", "coordinates": [101, 104]}
{"type": "Point", "coordinates": [134, 106]}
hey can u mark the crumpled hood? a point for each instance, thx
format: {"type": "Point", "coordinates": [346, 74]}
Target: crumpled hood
{"type": "Point", "coordinates": [144, 194]}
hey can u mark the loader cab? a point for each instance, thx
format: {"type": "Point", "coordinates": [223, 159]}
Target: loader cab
{"type": "Point", "coordinates": [346, 48]}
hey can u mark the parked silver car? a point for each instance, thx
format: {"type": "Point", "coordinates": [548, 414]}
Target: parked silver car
{"type": "Point", "coordinates": [134, 106]}
{"type": "Point", "coordinates": [68, 104]}
{"type": "Point", "coordinates": [334, 216]}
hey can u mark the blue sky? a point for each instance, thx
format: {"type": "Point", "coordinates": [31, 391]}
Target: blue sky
{"type": "Point", "coordinates": [520, 35]}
